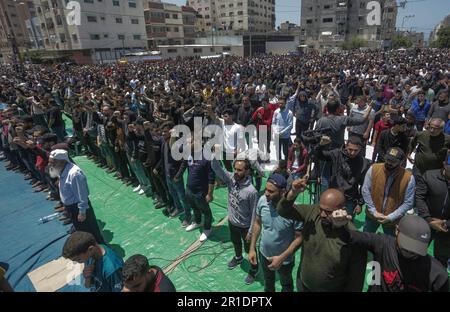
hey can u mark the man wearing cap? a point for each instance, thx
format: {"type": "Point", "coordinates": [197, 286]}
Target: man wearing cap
{"type": "Point", "coordinates": [74, 193]}
{"type": "Point", "coordinates": [328, 262]}
{"type": "Point", "coordinates": [388, 191]}
{"type": "Point", "coordinates": [404, 265]}
{"type": "Point", "coordinates": [433, 204]}
{"type": "Point", "coordinates": [280, 237]}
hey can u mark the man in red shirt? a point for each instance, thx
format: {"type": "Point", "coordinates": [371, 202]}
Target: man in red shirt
{"type": "Point", "coordinates": [263, 119]}
{"type": "Point", "coordinates": [383, 124]}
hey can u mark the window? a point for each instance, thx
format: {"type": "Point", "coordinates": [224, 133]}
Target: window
{"type": "Point", "coordinates": [327, 7]}
{"type": "Point", "coordinates": [62, 37]}
{"type": "Point", "coordinates": [92, 19]}
{"type": "Point", "coordinates": [102, 18]}
{"type": "Point", "coordinates": [240, 12]}
{"type": "Point", "coordinates": [88, 1]}
{"type": "Point", "coordinates": [119, 20]}
{"type": "Point", "coordinates": [95, 37]}
{"type": "Point", "coordinates": [198, 50]}
{"type": "Point", "coordinates": [105, 35]}
{"type": "Point", "coordinates": [167, 15]}
{"type": "Point", "coordinates": [58, 20]}
{"type": "Point", "coordinates": [172, 50]}
{"type": "Point", "coordinates": [226, 49]}
{"type": "Point", "coordinates": [74, 38]}
{"type": "Point", "coordinates": [116, 2]}
{"type": "Point", "coordinates": [121, 37]}
{"type": "Point", "coordinates": [175, 29]}
{"type": "Point", "coordinates": [207, 16]}
{"type": "Point", "coordinates": [132, 4]}
{"type": "Point", "coordinates": [327, 20]}
{"type": "Point", "coordinates": [175, 16]}
{"type": "Point", "coordinates": [137, 37]}
{"type": "Point", "coordinates": [134, 21]}
{"type": "Point", "coordinates": [310, 21]}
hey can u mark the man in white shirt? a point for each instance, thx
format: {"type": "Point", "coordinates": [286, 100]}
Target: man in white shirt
{"type": "Point", "coordinates": [233, 137]}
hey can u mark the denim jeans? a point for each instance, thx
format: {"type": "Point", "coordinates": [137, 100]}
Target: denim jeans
{"type": "Point", "coordinates": [198, 204]}
{"type": "Point", "coordinates": [325, 175]}
{"type": "Point", "coordinates": [371, 226]}
{"type": "Point", "coordinates": [139, 171]}
{"type": "Point", "coordinates": [283, 145]}
{"type": "Point", "coordinates": [285, 273]}
{"type": "Point", "coordinates": [176, 191]}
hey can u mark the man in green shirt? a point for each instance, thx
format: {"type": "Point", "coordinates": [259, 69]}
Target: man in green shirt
{"type": "Point", "coordinates": [328, 262]}
{"type": "Point", "coordinates": [430, 147]}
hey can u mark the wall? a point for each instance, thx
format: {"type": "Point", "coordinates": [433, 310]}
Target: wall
{"type": "Point", "coordinates": [282, 47]}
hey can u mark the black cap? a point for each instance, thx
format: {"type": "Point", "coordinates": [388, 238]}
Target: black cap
{"type": "Point", "coordinates": [414, 234]}
{"type": "Point", "coordinates": [395, 155]}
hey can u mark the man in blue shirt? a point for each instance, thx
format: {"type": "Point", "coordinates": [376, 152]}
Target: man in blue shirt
{"type": "Point", "coordinates": [199, 188]}
{"type": "Point", "coordinates": [282, 123]}
{"type": "Point", "coordinates": [74, 193]}
{"type": "Point", "coordinates": [102, 266]}
{"type": "Point", "coordinates": [280, 237]}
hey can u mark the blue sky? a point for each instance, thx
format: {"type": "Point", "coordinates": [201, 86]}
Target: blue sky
{"type": "Point", "coordinates": [427, 13]}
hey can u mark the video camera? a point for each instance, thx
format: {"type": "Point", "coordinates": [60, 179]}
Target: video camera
{"type": "Point", "coordinates": [312, 137]}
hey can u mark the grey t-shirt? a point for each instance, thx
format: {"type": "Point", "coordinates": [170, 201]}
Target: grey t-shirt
{"type": "Point", "coordinates": [438, 111]}
{"type": "Point", "coordinates": [356, 112]}
{"type": "Point", "coordinates": [337, 125]}
{"type": "Point", "coordinates": [277, 233]}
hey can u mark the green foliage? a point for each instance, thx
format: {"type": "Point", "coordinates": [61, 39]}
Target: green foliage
{"type": "Point", "coordinates": [443, 40]}
{"type": "Point", "coordinates": [354, 43]}
{"type": "Point", "coordinates": [401, 42]}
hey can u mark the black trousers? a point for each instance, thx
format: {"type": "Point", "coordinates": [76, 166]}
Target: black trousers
{"type": "Point", "coordinates": [285, 273]}
{"type": "Point", "coordinates": [237, 236]}
{"type": "Point", "coordinates": [441, 247]}
{"type": "Point", "coordinates": [89, 225]}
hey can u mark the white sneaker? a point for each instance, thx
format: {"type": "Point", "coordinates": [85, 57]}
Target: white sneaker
{"type": "Point", "coordinates": [141, 192]}
{"type": "Point", "coordinates": [205, 235]}
{"type": "Point", "coordinates": [137, 189]}
{"type": "Point", "coordinates": [193, 226]}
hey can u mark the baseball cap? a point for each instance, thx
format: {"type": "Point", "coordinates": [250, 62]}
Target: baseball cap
{"type": "Point", "coordinates": [414, 234]}
{"type": "Point", "coordinates": [395, 155]}
{"type": "Point", "coordinates": [59, 154]}
{"type": "Point", "coordinates": [278, 180]}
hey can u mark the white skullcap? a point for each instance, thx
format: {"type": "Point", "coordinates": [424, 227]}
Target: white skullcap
{"type": "Point", "coordinates": [60, 154]}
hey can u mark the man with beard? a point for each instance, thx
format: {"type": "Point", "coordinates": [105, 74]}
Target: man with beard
{"type": "Point", "coordinates": [388, 191]}
{"type": "Point", "coordinates": [394, 137]}
{"type": "Point", "coordinates": [328, 263]}
{"type": "Point", "coordinates": [430, 146]}
{"type": "Point", "coordinates": [74, 193]}
{"type": "Point", "coordinates": [139, 276]}
{"type": "Point", "coordinates": [441, 107]}
{"type": "Point", "coordinates": [242, 201]}
{"type": "Point", "coordinates": [404, 263]}
{"type": "Point", "coordinates": [280, 237]}
{"type": "Point", "coordinates": [433, 204]}
{"type": "Point", "coordinates": [348, 168]}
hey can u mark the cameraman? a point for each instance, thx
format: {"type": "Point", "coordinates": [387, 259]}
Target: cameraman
{"type": "Point", "coordinates": [348, 168]}
{"type": "Point", "coordinates": [337, 125]}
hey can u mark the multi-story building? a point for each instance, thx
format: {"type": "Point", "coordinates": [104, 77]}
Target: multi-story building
{"type": "Point", "coordinates": [289, 27]}
{"type": "Point", "coordinates": [169, 24]}
{"type": "Point", "coordinates": [444, 23]}
{"type": "Point", "coordinates": [106, 29]}
{"type": "Point", "coordinates": [328, 23]}
{"type": "Point", "coordinates": [14, 21]}
{"type": "Point", "coordinates": [232, 16]}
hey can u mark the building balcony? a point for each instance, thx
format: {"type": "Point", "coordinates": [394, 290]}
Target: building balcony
{"type": "Point", "coordinates": [154, 20]}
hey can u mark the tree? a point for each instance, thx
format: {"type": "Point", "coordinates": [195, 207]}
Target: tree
{"type": "Point", "coordinates": [354, 43]}
{"type": "Point", "coordinates": [401, 42]}
{"type": "Point", "coordinates": [443, 40]}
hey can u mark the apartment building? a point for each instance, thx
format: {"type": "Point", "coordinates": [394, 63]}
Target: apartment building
{"type": "Point", "coordinates": [328, 23]}
{"type": "Point", "coordinates": [232, 16]}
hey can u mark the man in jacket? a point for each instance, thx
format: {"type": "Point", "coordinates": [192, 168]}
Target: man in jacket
{"type": "Point", "coordinates": [433, 204]}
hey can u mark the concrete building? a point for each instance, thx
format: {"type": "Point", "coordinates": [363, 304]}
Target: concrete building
{"type": "Point", "coordinates": [168, 24]}
{"type": "Point", "coordinates": [107, 29]}
{"type": "Point", "coordinates": [14, 35]}
{"type": "Point", "coordinates": [417, 38]}
{"type": "Point", "coordinates": [288, 27]}
{"type": "Point", "coordinates": [200, 50]}
{"type": "Point", "coordinates": [329, 23]}
{"type": "Point", "coordinates": [444, 23]}
{"type": "Point", "coordinates": [234, 16]}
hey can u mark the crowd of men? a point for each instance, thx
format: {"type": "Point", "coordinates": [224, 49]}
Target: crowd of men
{"type": "Point", "coordinates": [334, 105]}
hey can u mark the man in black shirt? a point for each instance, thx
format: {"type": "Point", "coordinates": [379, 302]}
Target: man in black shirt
{"type": "Point", "coordinates": [404, 263]}
{"type": "Point", "coordinates": [139, 276]}
{"type": "Point", "coordinates": [55, 121]}
{"type": "Point", "coordinates": [394, 137]}
{"type": "Point", "coordinates": [433, 204]}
